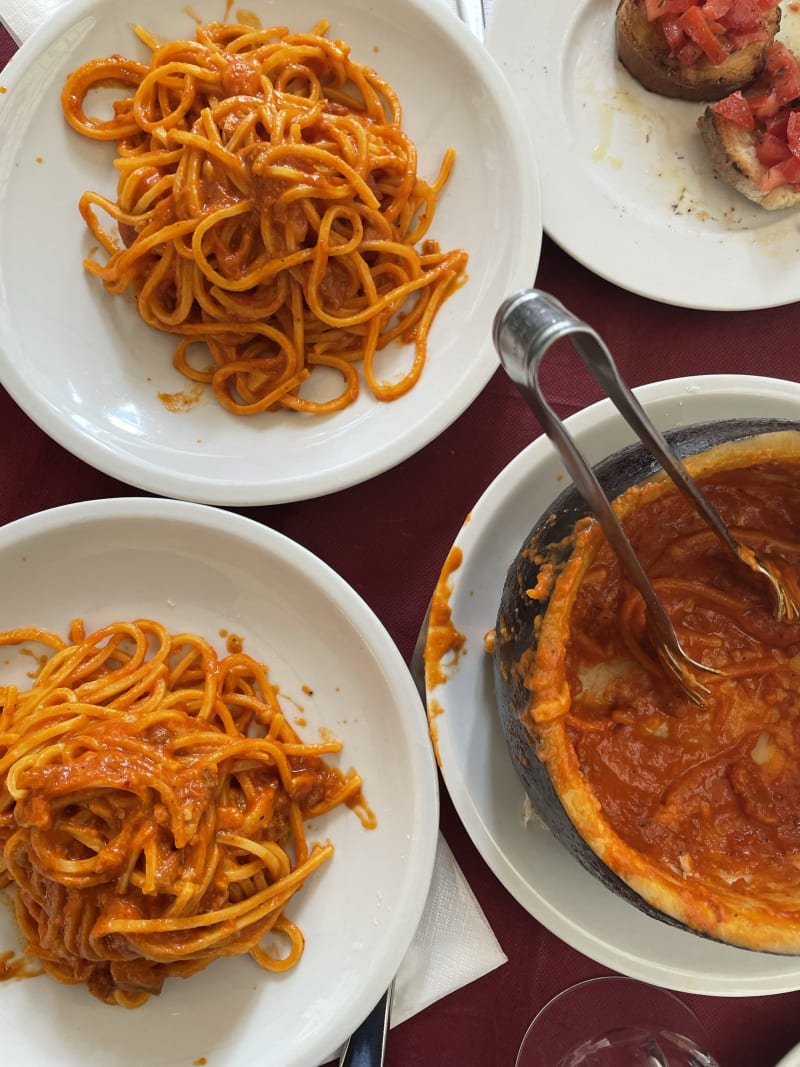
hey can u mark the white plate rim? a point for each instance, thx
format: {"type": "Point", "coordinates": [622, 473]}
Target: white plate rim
{"type": "Point", "coordinates": [427, 415]}
{"type": "Point", "coordinates": [677, 235]}
{"type": "Point", "coordinates": [377, 645]}
{"type": "Point", "coordinates": [465, 707]}
{"type": "Point", "coordinates": [791, 1059]}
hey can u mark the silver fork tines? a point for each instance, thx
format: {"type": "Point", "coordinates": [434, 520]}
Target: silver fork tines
{"type": "Point", "coordinates": [786, 607]}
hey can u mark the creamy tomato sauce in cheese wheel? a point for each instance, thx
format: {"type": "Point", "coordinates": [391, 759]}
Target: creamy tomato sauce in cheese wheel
{"type": "Point", "coordinates": [714, 790]}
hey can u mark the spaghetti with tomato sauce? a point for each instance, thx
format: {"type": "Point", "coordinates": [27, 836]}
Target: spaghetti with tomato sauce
{"type": "Point", "coordinates": [698, 808]}
{"type": "Point", "coordinates": [153, 809]}
{"type": "Point", "coordinates": [269, 210]}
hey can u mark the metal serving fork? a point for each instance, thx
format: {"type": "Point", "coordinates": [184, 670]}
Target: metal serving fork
{"type": "Point", "coordinates": [525, 327]}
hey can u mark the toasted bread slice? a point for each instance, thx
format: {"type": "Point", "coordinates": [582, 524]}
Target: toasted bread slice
{"type": "Point", "coordinates": [644, 51]}
{"type": "Point", "coordinates": [731, 149]}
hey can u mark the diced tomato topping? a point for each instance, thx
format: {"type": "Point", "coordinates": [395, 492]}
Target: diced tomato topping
{"type": "Point", "coordinates": [715, 9]}
{"type": "Point", "coordinates": [771, 149]}
{"type": "Point", "coordinates": [778, 125]}
{"type": "Point", "coordinates": [744, 15]}
{"type": "Point", "coordinates": [778, 149]}
{"type": "Point", "coordinates": [718, 27]}
{"type": "Point", "coordinates": [659, 9]}
{"type": "Point", "coordinates": [786, 172]}
{"type": "Point", "coordinates": [688, 54]}
{"type": "Point", "coordinates": [793, 133]}
{"type": "Point", "coordinates": [739, 40]}
{"type": "Point", "coordinates": [696, 28]}
{"type": "Point", "coordinates": [766, 111]}
{"type": "Point", "coordinates": [736, 109]}
{"type": "Point", "coordinates": [784, 71]}
{"type": "Point", "coordinates": [675, 36]}
{"type": "Point", "coordinates": [764, 105]}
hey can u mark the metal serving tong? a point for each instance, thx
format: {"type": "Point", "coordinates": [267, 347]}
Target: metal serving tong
{"type": "Point", "coordinates": [525, 327]}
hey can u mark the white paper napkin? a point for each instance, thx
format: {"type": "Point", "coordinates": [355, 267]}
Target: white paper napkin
{"type": "Point", "coordinates": [454, 944]}
{"type": "Point", "coordinates": [22, 17]}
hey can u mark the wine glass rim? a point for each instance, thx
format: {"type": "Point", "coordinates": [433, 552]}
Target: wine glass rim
{"type": "Point", "coordinates": [606, 979]}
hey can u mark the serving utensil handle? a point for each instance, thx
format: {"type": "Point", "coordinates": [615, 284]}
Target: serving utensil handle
{"type": "Point", "coordinates": [533, 320]}
{"type": "Point", "coordinates": [525, 328]}
{"type": "Point", "coordinates": [541, 319]}
{"type": "Point", "coordinates": [526, 325]}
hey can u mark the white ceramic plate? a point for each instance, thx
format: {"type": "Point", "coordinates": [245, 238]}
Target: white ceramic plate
{"type": "Point", "coordinates": [626, 186]}
{"type": "Point", "coordinates": [531, 864]}
{"type": "Point", "coordinates": [89, 372]}
{"type": "Point", "coordinates": [207, 570]}
{"type": "Point", "coordinates": [791, 1059]}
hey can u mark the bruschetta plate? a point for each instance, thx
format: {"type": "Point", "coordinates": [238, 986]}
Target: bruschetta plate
{"type": "Point", "coordinates": [628, 189]}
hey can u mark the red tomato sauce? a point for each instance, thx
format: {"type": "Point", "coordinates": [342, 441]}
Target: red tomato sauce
{"type": "Point", "coordinates": [714, 790]}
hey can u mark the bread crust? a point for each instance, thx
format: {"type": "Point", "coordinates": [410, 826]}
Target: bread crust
{"type": "Point", "coordinates": [644, 52]}
{"type": "Point", "coordinates": [731, 149]}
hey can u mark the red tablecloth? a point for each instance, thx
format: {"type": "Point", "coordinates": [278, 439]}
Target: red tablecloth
{"type": "Point", "coordinates": [388, 539]}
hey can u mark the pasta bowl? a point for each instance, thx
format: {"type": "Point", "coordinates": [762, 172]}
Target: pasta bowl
{"type": "Point", "coordinates": [337, 672]}
{"type": "Point", "coordinates": [101, 382]}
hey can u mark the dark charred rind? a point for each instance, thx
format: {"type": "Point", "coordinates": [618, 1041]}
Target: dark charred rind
{"type": "Point", "coordinates": [517, 616]}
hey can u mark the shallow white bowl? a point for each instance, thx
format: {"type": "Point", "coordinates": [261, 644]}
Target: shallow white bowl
{"type": "Point", "coordinates": [476, 767]}
{"type": "Point", "coordinates": [207, 570]}
{"type": "Point", "coordinates": [88, 371]}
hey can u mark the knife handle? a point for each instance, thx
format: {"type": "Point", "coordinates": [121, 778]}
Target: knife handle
{"type": "Point", "coordinates": [367, 1043]}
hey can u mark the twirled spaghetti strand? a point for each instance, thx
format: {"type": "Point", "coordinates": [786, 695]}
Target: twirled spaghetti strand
{"type": "Point", "coordinates": [269, 207]}
{"type": "Point", "coordinates": [152, 808]}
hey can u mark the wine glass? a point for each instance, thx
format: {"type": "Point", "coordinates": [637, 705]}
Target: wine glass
{"type": "Point", "coordinates": [615, 1022]}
